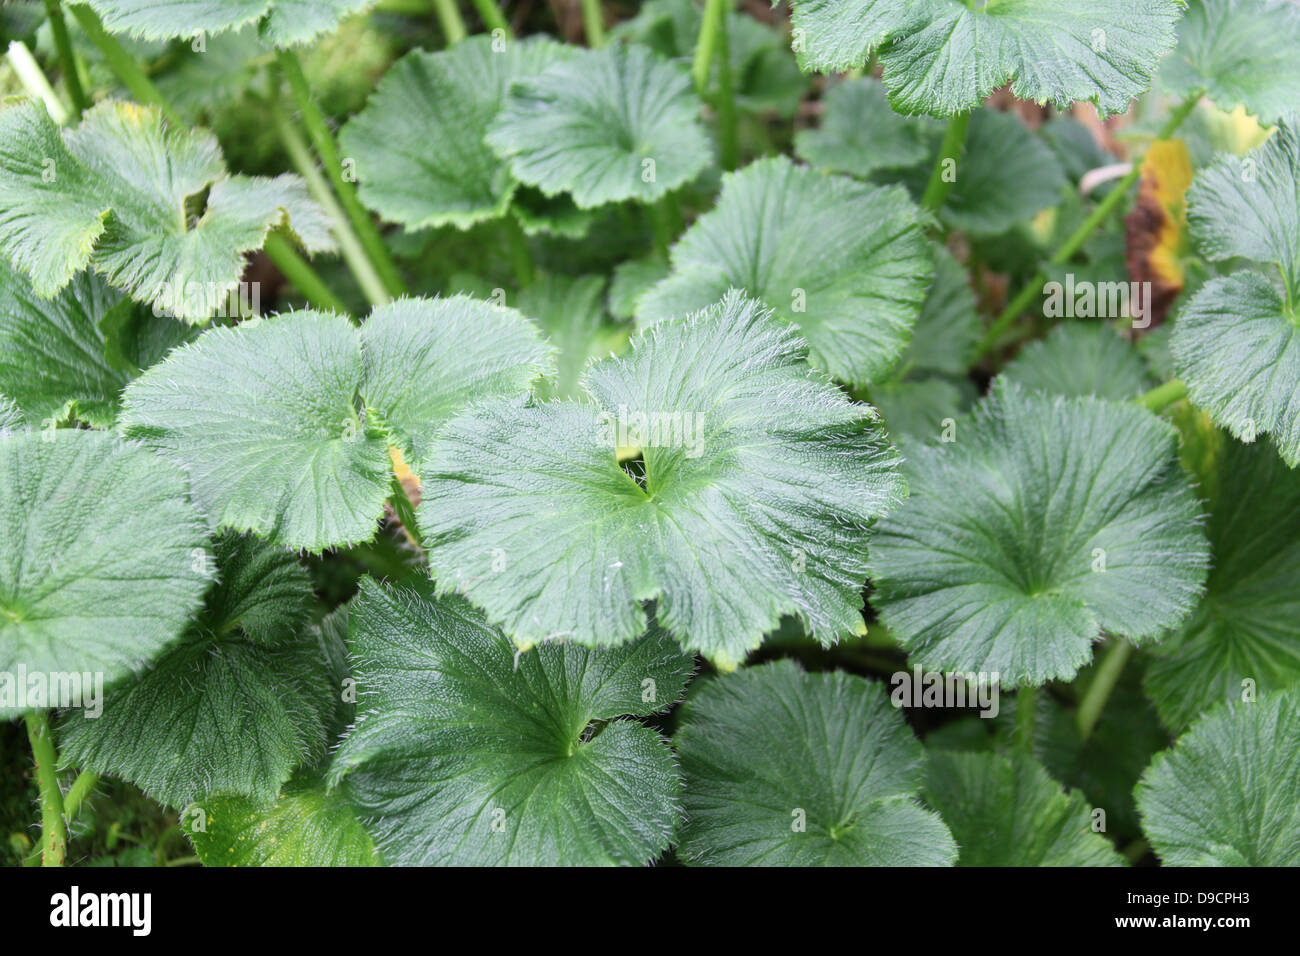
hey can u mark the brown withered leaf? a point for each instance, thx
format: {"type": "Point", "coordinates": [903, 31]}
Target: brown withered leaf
{"type": "Point", "coordinates": [1155, 232]}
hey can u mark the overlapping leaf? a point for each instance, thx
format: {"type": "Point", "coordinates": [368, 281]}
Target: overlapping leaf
{"type": "Point", "coordinates": [306, 825]}
{"type": "Point", "coordinates": [1227, 794]}
{"type": "Point", "coordinates": [264, 416]}
{"type": "Point", "coordinates": [603, 126]}
{"type": "Point", "coordinates": [1237, 342]}
{"type": "Point", "coordinates": [571, 311]}
{"type": "Point", "coordinates": [236, 706]}
{"type": "Point", "coordinates": [76, 352]}
{"type": "Point", "coordinates": [944, 56]}
{"type": "Point", "coordinates": [283, 22]}
{"type": "Point", "coordinates": [846, 263]}
{"type": "Point", "coordinates": [98, 552]}
{"type": "Point", "coordinates": [470, 753]}
{"type": "Point", "coordinates": [1081, 358]}
{"type": "Point", "coordinates": [756, 481]}
{"type": "Point", "coordinates": [1006, 811]}
{"type": "Point", "coordinates": [1047, 522]}
{"type": "Point", "coordinates": [418, 145]}
{"type": "Point", "coordinates": [860, 134]}
{"type": "Point", "coordinates": [1238, 52]}
{"type": "Point", "coordinates": [1247, 627]}
{"type": "Point", "coordinates": [784, 768]}
{"type": "Point", "coordinates": [118, 193]}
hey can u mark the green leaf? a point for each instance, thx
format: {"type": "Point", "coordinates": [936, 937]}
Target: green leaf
{"type": "Point", "coordinates": [603, 126]}
{"type": "Point", "coordinates": [418, 145]}
{"type": "Point", "coordinates": [470, 753]}
{"type": "Point", "coordinates": [860, 134]}
{"type": "Point", "coordinates": [237, 705]}
{"type": "Point", "coordinates": [55, 357]}
{"type": "Point", "coordinates": [425, 360]}
{"type": "Point", "coordinates": [307, 825]}
{"type": "Point", "coordinates": [283, 22]}
{"type": "Point", "coordinates": [941, 57]}
{"type": "Point", "coordinates": [949, 327]}
{"type": "Point", "coordinates": [1081, 358]}
{"type": "Point", "coordinates": [1239, 53]}
{"type": "Point", "coordinates": [1005, 176]}
{"type": "Point", "coordinates": [847, 264]}
{"type": "Point", "coordinates": [1235, 343]}
{"type": "Point", "coordinates": [631, 279]}
{"type": "Point", "coordinates": [757, 481]}
{"type": "Point", "coordinates": [1247, 627]}
{"type": "Point", "coordinates": [211, 715]}
{"type": "Point", "coordinates": [1006, 811]}
{"type": "Point", "coordinates": [784, 768]}
{"type": "Point", "coordinates": [98, 547]}
{"type": "Point", "coordinates": [1227, 794]}
{"type": "Point", "coordinates": [137, 230]}
{"type": "Point", "coordinates": [994, 562]}
{"type": "Point", "coordinates": [921, 408]}
{"type": "Point", "coordinates": [11, 416]}
{"type": "Point", "coordinates": [264, 418]}
{"type": "Point", "coordinates": [571, 311]}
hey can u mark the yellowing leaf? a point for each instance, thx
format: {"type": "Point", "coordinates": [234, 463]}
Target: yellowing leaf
{"type": "Point", "coordinates": [1156, 229]}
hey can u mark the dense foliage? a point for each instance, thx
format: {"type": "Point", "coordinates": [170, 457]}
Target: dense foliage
{"type": "Point", "coordinates": [855, 432]}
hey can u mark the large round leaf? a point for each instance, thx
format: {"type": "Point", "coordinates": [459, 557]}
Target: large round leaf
{"type": "Point", "coordinates": [283, 22]}
{"type": "Point", "coordinates": [943, 56]}
{"type": "Point", "coordinates": [1047, 522]}
{"type": "Point", "coordinates": [102, 556]}
{"type": "Point", "coordinates": [418, 145]}
{"type": "Point", "coordinates": [264, 416]}
{"type": "Point", "coordinates": [846, 263]}
{"type": "Point", "coordinates": [1227, 793]}
{"type": "Point", "coordinates": [784, 768]}
{"type": "Point", "coordinates": [471, 753]}
{"type": "Point", "coordinates": [603, 126]}
{"type": "Point", "coordinates": [750, 485]}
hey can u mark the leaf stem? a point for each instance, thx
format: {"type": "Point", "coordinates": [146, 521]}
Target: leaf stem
{"type": "Point", "coordinates": [123, 64]}
{"type": "Point", "coordinates": [449, 18]}
{"type": "Point", "coordinates": [35, 82]}
{"type": "Point", "coordinates": [81, 788]}
{"type": "Point", "coordinates": [1081, 235]}
{"type": "Point", "coordinates": [1103, 682]}
{"type": "Point", "coordinates": [54, 834]}
{"type": "Point", "coordinates": [1162, 396]}
{"type": "Point", "coordinates": [298, 271]}
{"type": "Point", "coordinates": [371, 284]}
{"type": "Point", "coordinates": [67, 58]}
{"type": "Point", "coordinates": [322, 139]}
{"type": "Point", "coordinates": [520, 258]}
{"type": "Point", "coordinates": [593, 21]}
{"type": "Point", "coordinates": [1026, 715]}
{"type": "Point", "coordinates": [954, 139]}
{"type": "Point", "coordinates": [492, 16]}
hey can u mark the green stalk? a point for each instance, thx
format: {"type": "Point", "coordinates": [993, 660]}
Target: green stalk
{"type": "Point", "coordinates": [322, 139]}
{"type": "Point", "coordinates": [81, 788]}
{"type": "Point", "coordinates": [714, 23]}
{"type": "Point", "coordinates": [123, 64]}
{"type": "Point", "coordinates": [713, 40]}
{"type": "Point", "coordinates": [520, 257]}
{"type": "Point", "coordinates": [54, 835]}
{"type": "Point", "coordinates": [593, 22]}
{"type": "Point", "coordinates": [353, 253]}
{"type": "Point", "coordinates": [449, 18]}
{"type": "Point", "coordinates": [954, 139]}
{"type": "Point", "coordinates": [1026, 713]}
{"type": "Point", "coordinates": [34, 81]}
{"type": "Point", "coordinates": [1162, 396]}
{"type": "Point", "coordinates": [492, 16]}
{"type": "Point", "coordinates": [1103, 682]}
{"type": "Point", "coordinates": [1081, 235]}
{"type": "Point", "coordinates": [68, 59]}
{"type": "Point", "coordinates": [298, 271]}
